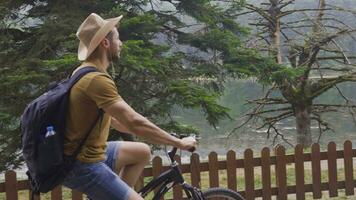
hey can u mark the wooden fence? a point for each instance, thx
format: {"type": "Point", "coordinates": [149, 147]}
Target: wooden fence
{"type": "Point", "coordinates": [264, 176]}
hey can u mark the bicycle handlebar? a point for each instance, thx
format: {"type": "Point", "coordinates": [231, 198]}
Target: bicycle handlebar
{"type": "Point", "coordinates": [173, 152]}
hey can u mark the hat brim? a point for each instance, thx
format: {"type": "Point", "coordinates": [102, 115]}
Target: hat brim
{"type": "Point", "coordinates": [84, 51]}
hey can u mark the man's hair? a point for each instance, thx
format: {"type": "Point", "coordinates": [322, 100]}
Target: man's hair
{"type": "Point", "coordinates": [110, 37]}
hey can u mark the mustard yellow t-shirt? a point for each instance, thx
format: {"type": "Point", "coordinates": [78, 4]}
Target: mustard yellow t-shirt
{"type": "Point", "coordinates": [92, 92]}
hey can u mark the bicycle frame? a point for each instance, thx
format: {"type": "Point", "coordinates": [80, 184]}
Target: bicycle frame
{"type": "Point", "coordinates": [169, 178]}
{"type": "Point", "coordinates": [166, 181]}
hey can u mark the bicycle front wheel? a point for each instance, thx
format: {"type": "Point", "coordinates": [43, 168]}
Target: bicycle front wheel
{"type": "Point", "coordinates": [221, 194]}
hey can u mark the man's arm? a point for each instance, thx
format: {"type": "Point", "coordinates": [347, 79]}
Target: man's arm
{"type": "Point", "coordinates": [142, 127]}
{"type": "Point", "coordinates": [118, 126]}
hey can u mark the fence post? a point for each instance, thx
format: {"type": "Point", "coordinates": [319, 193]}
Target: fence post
{"type": "Point", "coordinates": [332, 169]}
{"type": "Point", "coordinates": [213, 169]}
{"type": "Point", "coordinates": [266, 174]}
{"type": "Point", "coordinates": [177, 189]}
{"type": "Point", "coordinates": [76, 195]}
{"type": "Point", "coordinates": [275, 166]}
{"type": "Point", "coordinates": [299, 172]}
{"type": "Point", "coordinates": [316, 171]}
{"type": "Point", "coordinates": [281, 173]}
{"type": "Point", "coordinates": [249, 175]}
{"type": "Point", "coordinates": [11, 185]}
{"type": "Point", "coordinates": [56, 193]}
{"type": "Point", "coordinates": [195, 170]}
{"type": "Point", "coordinates": [231, 170]}
{"type": "Point", "coordinates": [156, 168]}
{"type": "Point", "coordinates": [348, 164]}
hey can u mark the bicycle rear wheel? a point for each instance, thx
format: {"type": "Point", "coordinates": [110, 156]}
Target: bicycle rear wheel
{"type": "Point", "coordinates": [221, 194]}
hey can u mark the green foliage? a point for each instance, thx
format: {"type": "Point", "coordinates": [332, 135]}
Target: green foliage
{"type": "Point", "coordinates": [138, 56]}
{"type": "Point", "coordinates": [220, 40]}
{"type": "Point", "coordinates": [180, 128]}
{"type": "Point", "coordinates": [141, 27]}
{"type": "Point", "coordinates": [155, 74]}
{"type": "Point", "coordinates": [287, 74]}
{"type": "Point", "coordinates": [10, 158]}
{"type": "Point", "coordinates": [249, 63]}
{"type": "Point", "coordinates": [191, 96]}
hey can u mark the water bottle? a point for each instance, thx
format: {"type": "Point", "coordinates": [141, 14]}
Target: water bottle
{"type": "Point", "coordinates": [50, 132]}
{"type": "Point", "coordinates": [50, 151]}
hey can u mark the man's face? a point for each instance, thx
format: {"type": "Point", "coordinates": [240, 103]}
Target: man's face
{"type": "Point", "coordinates": [115, 47]}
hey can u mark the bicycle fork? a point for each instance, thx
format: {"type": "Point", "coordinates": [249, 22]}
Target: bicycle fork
{"type": "Point", "coordinates": [190, 191]}
{"type": "Point", "coordinates": [174, 177]}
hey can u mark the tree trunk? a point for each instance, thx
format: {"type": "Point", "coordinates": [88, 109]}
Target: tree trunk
{"type": "Point", "coordinates": [275, 31]}
{"type": "Point", "coordinates": [302, 116]}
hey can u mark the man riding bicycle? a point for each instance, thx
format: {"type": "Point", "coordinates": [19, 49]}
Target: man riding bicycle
{"type": "Point", "coordinates": [107, 170]}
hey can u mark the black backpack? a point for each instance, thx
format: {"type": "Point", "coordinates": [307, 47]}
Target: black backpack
{"type": "Point", "coordinates": [44, 156]}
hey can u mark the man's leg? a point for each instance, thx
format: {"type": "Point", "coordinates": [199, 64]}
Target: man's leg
{"type": "Point", "coordinates": [135, 196]}
{"type": "Point", "coordinates": [99, 182]}
{"type": "Point", "coordinates": [131, 160]}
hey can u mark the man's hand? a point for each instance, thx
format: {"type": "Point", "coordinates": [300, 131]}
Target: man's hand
{"type": "Point", "coordinates": [188, 144]}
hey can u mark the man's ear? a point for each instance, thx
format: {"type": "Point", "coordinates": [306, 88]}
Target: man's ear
{"type": "Point", "coordinates": [105, 43]}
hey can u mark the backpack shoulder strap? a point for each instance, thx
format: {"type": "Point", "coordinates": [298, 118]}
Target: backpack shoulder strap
{"type": "Point", "coordinates": [80, 73]}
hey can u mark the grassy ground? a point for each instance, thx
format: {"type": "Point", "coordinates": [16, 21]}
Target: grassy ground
{"type": "Point", "coordinates": [24, 195]}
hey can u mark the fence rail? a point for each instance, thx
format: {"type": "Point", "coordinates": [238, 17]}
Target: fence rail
{"type": "Point", "coordinates": [268, 166]}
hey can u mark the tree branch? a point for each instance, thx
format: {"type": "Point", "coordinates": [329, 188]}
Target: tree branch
{"type": "Point", "coordinates": [344, 69]}
{"type": "Point", "coordinates": [270, 111]}
{"type": "Point", "coordinates": [303, 10]}
{"type": "Point", "coordinates": [277, 133]}
{"type": "Point", "coordinates": [286, 4]}
{"type": "Point", "coordinates": [348, 102]}
{"type": "Point", "coordinates": [336, 57]}
{"type": "Point", "coordinates": [325, 84]}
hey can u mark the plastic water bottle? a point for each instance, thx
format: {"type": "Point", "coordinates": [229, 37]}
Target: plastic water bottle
{"type": "Point", "coordinates": [51, 151]}
{"type": "Point", "coordinates": [50, 131]}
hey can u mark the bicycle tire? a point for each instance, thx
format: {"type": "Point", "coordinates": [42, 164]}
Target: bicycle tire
{"type": "Point", "coordinates": [221, 194]}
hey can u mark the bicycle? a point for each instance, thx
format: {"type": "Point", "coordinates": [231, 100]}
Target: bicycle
{"type": "Point", "coordinates": [173, 176]}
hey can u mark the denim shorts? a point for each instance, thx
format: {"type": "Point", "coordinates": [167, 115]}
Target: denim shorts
{"type": "Point", "coordinates": [98, 180]}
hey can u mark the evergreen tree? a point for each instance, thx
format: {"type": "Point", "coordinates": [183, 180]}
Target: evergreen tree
{"type": "Point", "coordinates": [309, 41]}
{"type": "Point", "coordinates": [176, 53]}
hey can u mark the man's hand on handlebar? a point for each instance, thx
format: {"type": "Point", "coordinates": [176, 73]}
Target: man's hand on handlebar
{"type": "Point", "coordinates": [188, 144]}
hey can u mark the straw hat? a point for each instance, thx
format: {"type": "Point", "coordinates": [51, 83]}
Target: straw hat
{"type": "Point", "coordinates": [92, 31]}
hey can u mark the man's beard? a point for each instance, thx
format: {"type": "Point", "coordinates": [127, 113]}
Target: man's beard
{"type": "Point", "coordinates": [113, 56]}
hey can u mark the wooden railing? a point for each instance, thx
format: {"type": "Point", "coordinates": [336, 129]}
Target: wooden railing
{"type": "Point", "coordinates": [269, 171]}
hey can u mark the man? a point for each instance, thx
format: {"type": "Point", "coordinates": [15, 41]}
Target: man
{"type": "Point", "coordinates": [107, 170]}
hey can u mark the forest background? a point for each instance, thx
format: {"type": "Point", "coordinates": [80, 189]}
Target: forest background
{"type": "Point", "coordinates": [189, 66]}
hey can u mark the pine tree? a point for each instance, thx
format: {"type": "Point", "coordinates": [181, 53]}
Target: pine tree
{"type": "Point", "coordinates": [309, 43]}
{"type": "Point", "coordinates": [176, 54]}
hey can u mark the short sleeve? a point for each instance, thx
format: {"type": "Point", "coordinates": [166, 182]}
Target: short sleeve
{"type": "Point", "coordinates": [102, 91]}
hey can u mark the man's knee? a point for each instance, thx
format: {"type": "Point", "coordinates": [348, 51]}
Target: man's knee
{"type": "Point", "coordinates": [145, 152]}
{"type": "Point", "coordinates": [133, 153]}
